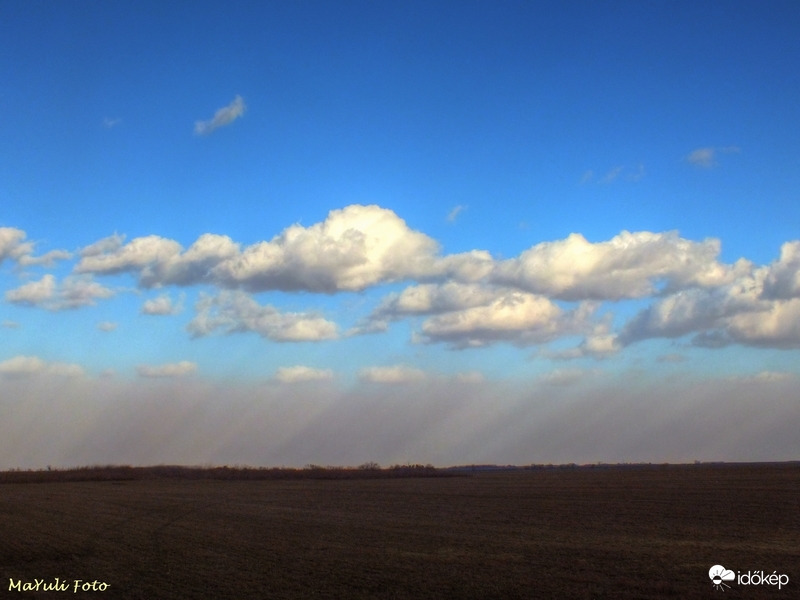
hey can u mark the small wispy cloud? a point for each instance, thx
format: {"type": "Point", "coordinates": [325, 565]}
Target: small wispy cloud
{"type": "Point", "coordinates": [612, 175]}
{"type": "Point", "coordinates": [224, 116]}
{"type": "Point", "coordinates": [301, 373]}
{"type": "Point", "coordinates": [178, 369]}
{"type": "Point", "coordinates": [706, 157]}
{"type": "Point", "coordinates": [110, 123]}
{"type": "Point", "coordinates": [766, 377]}
{"type": "Point", "coordinates": [107, 245]}
{"type": "Point", "coordinates": [107, 326]}
{"type": "Point", "coordinates": [395, 374]}
{"type": "Point", "coordinates": [563, 377]}
{"type": "Point", "coordinates": [453, 214]}
{"type": "Point", "coordinates": [469, 377]}
{"type": "Point", "coordinates": [636, 174]}
{"type": "Point", "coordinates": [702, 157]}
{"type": "Point", "coordinates": [45, 260]}
{"type": "Point", "coordinates": [671, 358]}
{"type": "Point", "coordinates": [618, 173]}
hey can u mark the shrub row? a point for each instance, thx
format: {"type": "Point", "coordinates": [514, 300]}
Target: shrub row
{"type": "Point", "coordinates": [131, 473]}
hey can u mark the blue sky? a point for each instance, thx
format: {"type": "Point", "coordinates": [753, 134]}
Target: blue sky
{"type": "Point", "coordinates": [254, 214]}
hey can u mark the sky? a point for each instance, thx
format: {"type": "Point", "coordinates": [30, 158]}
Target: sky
{"type": "Point", "coordinates": [284, 233]}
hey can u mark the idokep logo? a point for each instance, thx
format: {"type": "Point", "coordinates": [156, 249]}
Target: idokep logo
{"type": "Point", "coordinates": [719, 575]}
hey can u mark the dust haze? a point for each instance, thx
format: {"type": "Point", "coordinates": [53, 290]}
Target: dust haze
{"type": "Point", "coordinates": [61, 422]}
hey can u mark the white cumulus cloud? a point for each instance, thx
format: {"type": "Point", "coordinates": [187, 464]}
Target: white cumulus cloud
{"type": "Point", "coordinates": [76, 292]}
{"type": "Point", "coordinates": [192, 266]}
{"type": "Point", "coordinates": [468, 299]}
{"type": "Point", "coordinates": [12, 244]}
{"type": "Point", "coordinates": [515, 317]}
{"type": "Point", "coordinates": [783, 276]}
{"type": "Point", "coordinates": [627, 266]}
{"type": "Point", "coordinates": [73, 292]}
{"type": "Point", "coordinates": [237, 312]}
{"type": "Point", "coordinates": [33, 293]}
{"type": "Point", "coordinates": [478, 314]}
{"type": "Point", "coordinates": [14, 247]}
{"type": "Point", "coordinates": [28, 366]}
{"type": "Point", "coordinates": [777, 326]}
{"type": "Point", "coordinates": [162, 305]}
{"type": "Point", "coordinates": [432, 298]}
{"type": "Point", "coordinates": [737, 312]}
{"type": "Point", "coordinates": [354, 248]}
{"type": "Point", "coordinates": [143, 255]}
{"type": "Point", "coordinates": [158, 261]}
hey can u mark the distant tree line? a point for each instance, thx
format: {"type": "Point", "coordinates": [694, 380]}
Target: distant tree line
{"type": "Point", "coordinates": [370, 470]}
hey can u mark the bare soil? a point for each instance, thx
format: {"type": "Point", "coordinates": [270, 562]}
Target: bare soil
{"type": "Point", "coordinates": [606, 532]}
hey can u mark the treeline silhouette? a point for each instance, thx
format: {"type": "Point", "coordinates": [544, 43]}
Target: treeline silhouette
{"type": "Point", "coordinates": [131, 473]}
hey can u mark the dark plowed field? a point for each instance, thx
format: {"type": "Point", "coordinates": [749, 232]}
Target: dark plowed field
{"type": "Point", "coordinates": [622, 532]}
